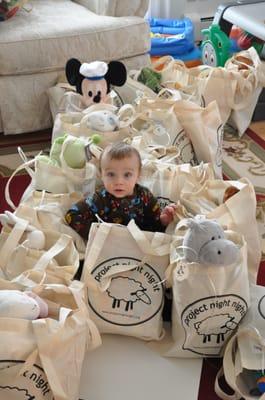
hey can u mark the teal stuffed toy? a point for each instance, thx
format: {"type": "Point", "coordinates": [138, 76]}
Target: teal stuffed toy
{"type": "Point", "coordinates": [205, 243]}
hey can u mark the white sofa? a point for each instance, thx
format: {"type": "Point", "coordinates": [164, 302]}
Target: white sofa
{"type": "Point", "coordinates": [35, 45]}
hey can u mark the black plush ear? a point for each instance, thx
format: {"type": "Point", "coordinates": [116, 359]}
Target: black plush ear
{"type": "Point", "coordinates": [116, 74]}
{"type": "Point", "coordinates": [72, 71]}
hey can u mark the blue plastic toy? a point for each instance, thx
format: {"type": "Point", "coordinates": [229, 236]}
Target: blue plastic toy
{"type": "Point", "coordinates": [171, 37]}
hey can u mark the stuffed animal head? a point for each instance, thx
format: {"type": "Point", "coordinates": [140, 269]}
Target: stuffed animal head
{"type": "Point", "coordinates": [93, 80]}
{"type": "Point", "coordinates": [103, 121]}
{"type": "Point", "coordinates": [26, 305]}
{"type": "Point", "coordinates": [35, 239]}
{"type": "Point", "coordinates": [205, 243]}
{"type": "Point", "coordinates": [75, 152]}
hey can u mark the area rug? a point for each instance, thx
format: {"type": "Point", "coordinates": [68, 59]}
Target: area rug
{"type": "Point", "coordinates": [31, 144]}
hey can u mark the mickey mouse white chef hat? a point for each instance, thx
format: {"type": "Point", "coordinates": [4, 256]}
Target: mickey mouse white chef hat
{"type": "Point", "coordinates": [94, 70]}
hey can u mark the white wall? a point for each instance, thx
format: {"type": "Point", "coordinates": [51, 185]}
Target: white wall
{"type": "Point", "coordinates": [178, 8]}
{"type": "Point", "coordinates": [194, 9]}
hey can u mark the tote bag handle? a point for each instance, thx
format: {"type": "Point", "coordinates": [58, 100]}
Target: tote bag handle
{"type": "Point", "coordinates": [103, 231]}
{"type": "Point", "coordinates": [229, 370]}
{"type": "Point", "coordinates": [94, 335]}
{"type": "Point", "coordinates": [26, 165]}
{"type": "Point", "coordinates": [155, 247]}
{"type": "Point", "coordinates": [60, 245]}
{"type": "Point", "coordinates": [12, 241]}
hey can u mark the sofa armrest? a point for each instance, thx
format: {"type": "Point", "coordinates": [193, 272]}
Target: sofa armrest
{"type": "Point", "coordinates": [116, 8]}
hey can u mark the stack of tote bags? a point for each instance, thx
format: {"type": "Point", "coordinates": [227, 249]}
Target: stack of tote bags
{"type": "Point", "coordinates": [127, 271]}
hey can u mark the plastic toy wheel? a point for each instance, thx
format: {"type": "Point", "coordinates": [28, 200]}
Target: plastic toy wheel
{"type": "Point", "coordinates": [209, 56]}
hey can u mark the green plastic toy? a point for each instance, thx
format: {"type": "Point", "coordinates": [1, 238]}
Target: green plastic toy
{"type": "Point", "coordinates": [215, 46]}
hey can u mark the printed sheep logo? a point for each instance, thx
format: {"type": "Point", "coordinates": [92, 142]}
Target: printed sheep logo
{"type": "Point", "coordinates": [128, 290]}
{"type": "Point", "coordinates": [216, 325]}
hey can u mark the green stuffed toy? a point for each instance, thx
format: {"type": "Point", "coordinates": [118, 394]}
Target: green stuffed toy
{"type": "Point", "coordinates": [74, 154]}
{"type": "Point", "coordinates": [151, 79]}
{"type": "Point", "coordinates": [205, 243]}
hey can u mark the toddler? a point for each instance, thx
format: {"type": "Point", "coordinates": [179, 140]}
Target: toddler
{"type": "Point", "coordinates": [121, 198]}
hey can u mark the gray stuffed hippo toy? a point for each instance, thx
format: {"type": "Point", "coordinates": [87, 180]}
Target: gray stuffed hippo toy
{"type": "Point", "coordinates": [205, 243]}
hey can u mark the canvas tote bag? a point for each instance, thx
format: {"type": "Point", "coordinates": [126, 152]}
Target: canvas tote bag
{"type": "Point", "coordinates": [201, 85]}
{"type": "Point", "coordinates": [58, 260]}
{"type": "Point", "coordinates": [46, 210]}
{"type": "Point", "coordinates": [174, 73]}
{"type": "Point", "coordinates": [244, 354]}
{"type": "Point", "coordinates": [249, 73]}
{"type": "Point", "coordinates": [166, 180]}
{"type": "Point", "coordinates": [170, 154]}
{"type": "Point", "coordinates": [158, 123]}
{"type": "Point", "coordinates": [75, 124]}
{"type": "Point", "coordinates": [133, 91]}
{"type": "Point", "coordinates": [238, 213]}
{"type": "Point", "coordinates": [208, 302]}
{"type": "Point", "coordinates": [54, 178]}
{"type": "Point", "coordinates": [42, 359]}
{"type": "Point", "coordinates": [124, 273]}
{"type": "Point", "coordinates": [205, 129]}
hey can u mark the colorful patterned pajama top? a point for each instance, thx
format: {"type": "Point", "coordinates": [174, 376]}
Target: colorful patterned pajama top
{"type": "Point", "coordinates": [142, 206]}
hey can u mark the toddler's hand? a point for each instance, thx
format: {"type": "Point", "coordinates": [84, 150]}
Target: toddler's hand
{"type": "Point", "coordinates": [167, 214]}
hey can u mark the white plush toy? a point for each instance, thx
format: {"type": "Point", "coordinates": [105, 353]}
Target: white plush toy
{"type": "Point", "coordinates": [35, 237]}
{"type": "Point", "coordinates": [102, 121]}
{"type": "Point", "coordinates": [26, 305]}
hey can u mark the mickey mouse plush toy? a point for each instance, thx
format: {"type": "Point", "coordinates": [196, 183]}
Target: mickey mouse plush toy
{"type": "Point", "coordinates": [93, 80]}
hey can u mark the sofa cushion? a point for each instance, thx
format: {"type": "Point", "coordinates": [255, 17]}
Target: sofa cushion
{"type": "Point", "coordinates": [54, 30]}
{"type": "Point", "coordinates": [25, 106]}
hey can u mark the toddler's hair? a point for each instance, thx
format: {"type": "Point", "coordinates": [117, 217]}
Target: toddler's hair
{"type": "Point", "coordinates": [119, 151]}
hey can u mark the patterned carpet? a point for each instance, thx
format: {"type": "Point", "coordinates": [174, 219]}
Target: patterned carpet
{"type": "Point", "coordinates": [31, 145]}
{"type": "Point", "coordinates": [246, 157]}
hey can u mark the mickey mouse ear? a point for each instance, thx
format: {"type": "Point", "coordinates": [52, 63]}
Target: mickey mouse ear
{"type": "Point", "coordinates": [94, 70]}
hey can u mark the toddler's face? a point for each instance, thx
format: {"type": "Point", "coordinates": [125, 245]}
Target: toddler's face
{"type": "Point", "coordinates": [120, 176]}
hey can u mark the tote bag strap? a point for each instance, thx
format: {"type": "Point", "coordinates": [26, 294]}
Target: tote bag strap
{"type": "Point", "coordinates": [56, 249]}
{"type": "Point", "coordinates": [229, 370]}
{"type": "Point", "coordinates": [41, 331]}
{"type": "Point", "coordinates": [220, 392]}
{"type": "Point", "coordinates": [242, 85]}
{"type": "Point", "coordinates": [162, 62]}
{"type": "Point", "coordinates": [12, 241]}
{"type": "Point", "coordinates": [26, 165]}
{"type": "Point", "coordinates": [146, 115]}
{"type": "Point", "coordinates": [103, 231]}
{"type": "Point", "coordinates": [92, 255]}
{"type": "Point", "coordinates": [155, 247]}
{"type": "Point", "coordinates": [94, 339]}
{"type": "Point", "coordinates": [127, 115]}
